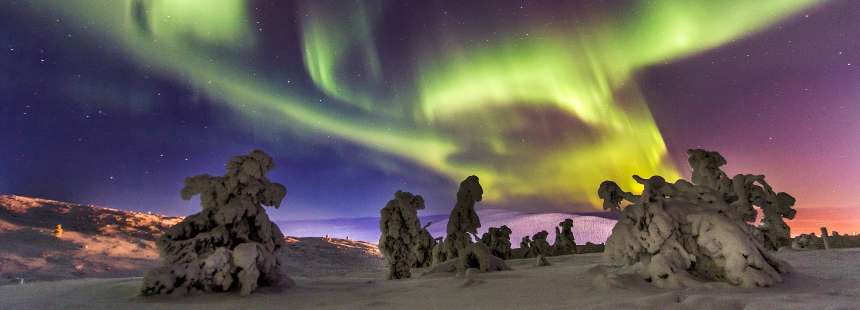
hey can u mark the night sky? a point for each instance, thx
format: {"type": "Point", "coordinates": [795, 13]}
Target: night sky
{"type": "Point", "coordinates": [114, 102]}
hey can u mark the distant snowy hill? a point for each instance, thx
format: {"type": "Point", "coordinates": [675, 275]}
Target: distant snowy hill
{"type": "Point", "coordinates": [591, 227]}
{"type": "Point", "coordinates": [108, 243]}
{"type": "Point", "coordinates": [96, 242]}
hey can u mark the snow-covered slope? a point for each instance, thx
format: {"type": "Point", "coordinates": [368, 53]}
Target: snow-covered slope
{"type": "Point", "coordinates": [314, 257]}
{"type": "Point", "coordinates": [96, 242]}
{"type": "Point", "coordinates": [108, 243]}
{"type": "Point", "coordinates": [586, 228]}
{"type": "Point", "coordinates": [822, 280]}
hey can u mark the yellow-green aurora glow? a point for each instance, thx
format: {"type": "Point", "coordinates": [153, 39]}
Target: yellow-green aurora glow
{"type": "Point", "coordinates": [547, 115]}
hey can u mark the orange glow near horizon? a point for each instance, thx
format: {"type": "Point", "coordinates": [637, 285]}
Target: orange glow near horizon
{"type": "Point", "coordinates": [846, 221]}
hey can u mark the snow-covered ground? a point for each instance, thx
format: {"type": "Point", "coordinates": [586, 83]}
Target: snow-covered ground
{"type": "Point", "coordinates": [102, 249]}
{"type": "Point", "coordinates": [96, 242]}
{"type": "Point", "coordinates": [107, 243]}
{"type": "Point", "coordinates": [823, 280]}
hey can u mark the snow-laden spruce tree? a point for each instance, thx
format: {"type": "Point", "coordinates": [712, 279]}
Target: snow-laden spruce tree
{"type": "Point", "coordinates": [565, 243]}
{"type": "Point", "coordinates": [423, 248]}
{"type": "Point", "coordinates": [231, 243]}
{"type": "Point", "coordinates": [463, 222]}
{"type": "Point", "coordinates": [400, 232]}
{"type": "Point", "coordinates": [539, 245]}
{"type": "Point", "coordinates": [677, 234]}
{"type": "Point", "coordinates": [458, 252]}
{"type": "Point", "coordinates": [498, 239]}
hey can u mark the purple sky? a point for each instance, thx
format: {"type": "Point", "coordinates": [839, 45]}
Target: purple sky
{"type": "Point", "coordinates": [784, 102]}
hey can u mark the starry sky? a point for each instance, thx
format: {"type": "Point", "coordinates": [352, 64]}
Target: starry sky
{"type": "Point", "coordinates": [115, 102]}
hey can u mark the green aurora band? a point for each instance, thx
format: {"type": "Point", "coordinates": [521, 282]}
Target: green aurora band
{"type": "Point", "coordinates": [550, 115]}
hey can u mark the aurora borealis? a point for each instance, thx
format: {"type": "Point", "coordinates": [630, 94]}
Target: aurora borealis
{"type": "Point", "coordinates": [542, 100]}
